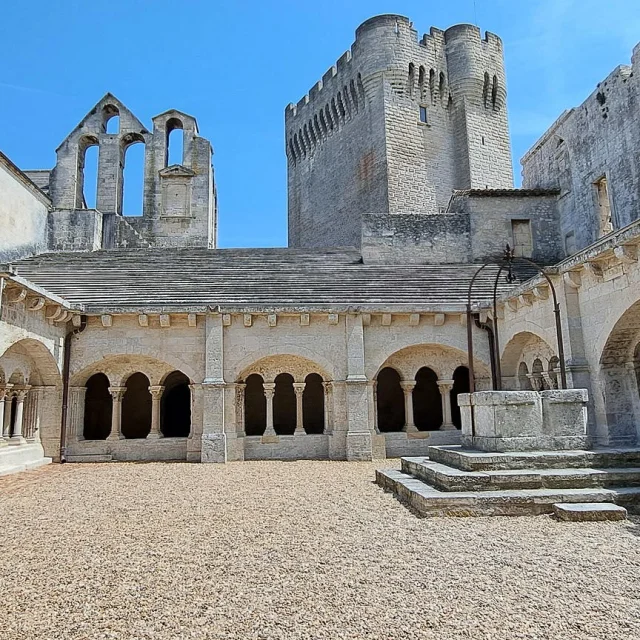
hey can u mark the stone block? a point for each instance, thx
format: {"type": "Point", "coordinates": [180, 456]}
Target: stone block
{"type": "Point", "coordinates": [359, 447]}
{"type": "Point", "coordinates": [589, 512]}
{"type": "Point", "coordinates": [214, 447]}
{"type": "Point", "coordinates": [564, 412]}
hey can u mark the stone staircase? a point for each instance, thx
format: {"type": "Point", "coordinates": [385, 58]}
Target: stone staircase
{"type": "Point", "coordinates": [453, 481]}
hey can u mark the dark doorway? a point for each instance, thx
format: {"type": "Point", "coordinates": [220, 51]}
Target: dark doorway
{"type": "Point", "coordinates": [460, 385]}
{"type": "Point", "coordinates": [98, 407]}
{"type": "Point", "coordinates": [313, 404]}
{"type": "Point", "coordinates": [175, 406]}
{"type": "Point", "coordinates": [427, 401]}
{"type": "Point", "coordinates": [391, 415]}
{"type": "Point", "coordinates": [284, 405]}
{"type": "Point", "coordinates": [136, 407]}
{"type": "Point", "coordinates": [255, 406]}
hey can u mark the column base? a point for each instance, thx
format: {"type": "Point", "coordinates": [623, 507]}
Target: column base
{"type": "Point", "coordinates": [359, 447]}
{"type": "Point", "coordinates": [16, 440]}
{"type": "Point", "coordinates": [410, 428]}
{"type": "Point", "coordinates": [269, 433]}
{"type": "Point", "coordinates": [448, 427]}
{"type": "Point", "coordinates": [214, 448]}
{"type": "Point", "coordinates": [153, 436]}
{"type": "Point", "coordinates": [115, 438]}
{"type": "Point", "coordinates": [299, 432]}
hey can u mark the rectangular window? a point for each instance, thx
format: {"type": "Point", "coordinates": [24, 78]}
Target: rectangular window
{"type": "Point", "coordinates": [605, 220]}
{"type": "Point", "coordinates": [522, 241]}
{"type": "Point", "coordinates": [423, 115]}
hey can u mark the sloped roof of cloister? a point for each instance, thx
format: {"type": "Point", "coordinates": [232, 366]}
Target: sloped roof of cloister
{"type": "Point", "coordinates": [251, 279]}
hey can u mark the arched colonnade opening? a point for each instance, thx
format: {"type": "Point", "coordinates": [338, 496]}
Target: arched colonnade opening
{"type": "Point", "coordinates": [30, 383]}
{"type": "Point", "coordinates": [422, 404]}
{"type": "Point", "coordinates": [617, 387]}
{"type": "Point", "coordinates": [283, 395]}
{"type": "Point", "coordinates": [528, 363]}
{"type": "Point", "coordinates": [136, 409]}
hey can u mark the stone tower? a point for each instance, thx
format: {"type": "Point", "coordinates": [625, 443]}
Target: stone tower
{"type": "Point", "coordinates": [394, 127]}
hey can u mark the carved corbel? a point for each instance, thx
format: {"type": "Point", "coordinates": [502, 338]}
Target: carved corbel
{"type": "Point", "coordinates": [16, 295]}
{"type": "Point", "coordinates": [414, 319]}
{"type": "Point", "coordinates": [63, 317]}
{"type": "Point", "coordinates": [56, 313]}
{"type": "Point", "coordinates": [626, 254]}
{"type": "Point", "coordinates": [525, 300]}
{"type": "Point", "coordinates": [106, 319]}
{"type": "Point", "coordinates": [541, 292]}
{"type": "Point", "coordinates": [35, 304]}
{"type": "Point", "coordinates": [143, 320]}
{"type": "Point", "coordinates": [165, 320]}
{"type": "Point", "coordinates": [512, 303]}
{"type": "Point", "coordinates": [573, 279]}
{"type": "Point", "coordinates": [438, 319]}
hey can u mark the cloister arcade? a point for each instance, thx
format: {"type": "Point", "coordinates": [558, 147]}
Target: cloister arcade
{"type": "Point", "coordinates": [284, 395]}
{"type": "Point", "coordinates": [529, 364]}
{"type": "Point", "coordinates": [128, 404]}
{"type": "Point", "coordinates": [30, 384]}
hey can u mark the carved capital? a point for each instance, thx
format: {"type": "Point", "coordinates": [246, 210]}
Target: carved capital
{"type": "Point", "coordinates": [117, 393]}
{"type": "Point", "coordinates": [156, 390]}
{"type": "Point", "coordinates": [445, 386]}
{"type": "Point", "coordinates": [572, 279]}
{"type": "Point", "coordinates": [408, 386]}
{"type": "Point", "coordinates": [298, 387]}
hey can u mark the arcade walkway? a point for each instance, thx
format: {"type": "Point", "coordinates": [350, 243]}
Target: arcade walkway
{"type": "Point", "coordinates": [292, 550]}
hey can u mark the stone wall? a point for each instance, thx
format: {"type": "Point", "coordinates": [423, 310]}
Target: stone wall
{"type": "Point", "coordinates": [592, 141]}
{"type": "Point", "coordinates": [415, 238]}
{"type": "Point", "coordinates": [23, 214]}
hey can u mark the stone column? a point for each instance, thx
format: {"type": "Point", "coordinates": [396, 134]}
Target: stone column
{"type": "Point", "coordinates": [407, 388]}
{"type": "Point", "coordinates": [116, 414]}
{"type": "Point", "coordinates": [298, 388]}
{"type": "Point", "coordinates": [156, 396]}
{"type": "Point", "coordinates": [269, 392]}
{"type": "Point", "coordinates": [536, 381]}
{"type": "Point", "coordinates": [445, 387]}
{"type": "Point", "coordinates": [328, 406]}
{"type": "Point", "coordinates": [6, 428]}
{"type": "Point", "coordinates": [240, 426]}
{"type": "Point", "coordinates": [75, 415]}
{"type": "Point", "coordinates": [17, 437]}
{"type": "Point", "coordinates": [30, 412]}
{"type": "Point", "coordinates": [3, 398]}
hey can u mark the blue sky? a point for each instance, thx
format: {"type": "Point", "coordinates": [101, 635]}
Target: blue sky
{"type": "Point", "coordinates": [236, 65]}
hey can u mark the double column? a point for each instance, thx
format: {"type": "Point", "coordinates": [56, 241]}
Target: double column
{"type": "Point", "coordinates": [156, 395]}
{"type": "Point", "coordinates": [117, 393]}
{"type": "Point", "coordinates": [7, 394]}
{"type": "Point", "coordinates": [445, 387]}
{"type": "Point", "coordinates": [407, 388]}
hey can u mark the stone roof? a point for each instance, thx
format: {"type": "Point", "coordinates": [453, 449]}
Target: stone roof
{"type": "Point", "coordinates": [135, 280]}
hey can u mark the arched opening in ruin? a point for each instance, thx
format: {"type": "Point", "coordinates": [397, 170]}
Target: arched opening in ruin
{"type": "Point", "coordinates": [284, 405]}
{"type": "Point", "coordinates": [255, 406]}
{"type": "Point", "coordinates": [111, 119]}
{"type": "Point", "coordinates": [88, 156]}
{"type": "Point", "coordinates": [391, 413]}
{"type": "Point", "coordinates": [175, 406]}
{"type": "Point", "coordinates": [98, 408]}
{"type": "Point", "coordinates": [427, 401]}
{"type": "Point", "coordinates": [175, 142]}
{"type": "Point", "coordinates": [133, 175]}
{"type": "Point", "coordinates": [136, 407]}
{"type": "Point", "coordinates": [460, 385]}
{"type": "Point", "coordinates": [313, 404]}
{"type": "Point", "coordinates": [554, 368]}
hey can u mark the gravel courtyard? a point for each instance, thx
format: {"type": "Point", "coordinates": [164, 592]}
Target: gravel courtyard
{"type": "Point", "coordinates": [292, 550]}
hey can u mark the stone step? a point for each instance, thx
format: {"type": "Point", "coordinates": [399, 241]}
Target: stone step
{"type": "Point", "coordinates": [447, 478]}
{"type": "Point", "coordinates": [472, 460]}
{"type": "Point", "coordinates": [589, 512]}
{"type": "Point", "coordinates": [428, 501]}
{"type": "Point", "coordinates": [90, 457]}
{"type": "Point", "coordinates": [8, 469]}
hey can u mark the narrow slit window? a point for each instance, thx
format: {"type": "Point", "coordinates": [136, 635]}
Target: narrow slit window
{"type": "Point", "coordinates": [424, 115]}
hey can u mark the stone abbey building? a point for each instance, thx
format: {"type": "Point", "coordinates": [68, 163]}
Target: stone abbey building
{"type": "Point", "coordinates": [135, 338]}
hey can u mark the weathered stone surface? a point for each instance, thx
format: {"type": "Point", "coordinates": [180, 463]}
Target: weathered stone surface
{"type": "Point", "coordinates": [589, 512]}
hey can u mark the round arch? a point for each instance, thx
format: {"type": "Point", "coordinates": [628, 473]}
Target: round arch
{"type": "Point", "coordinates": [443, 360]}
{"type": "Point", "coordinates": [271, 366]}
{"type": "Point", "coordinates": [524, 347]}
{"type": "Point", "coordinates": [619, 363]}
{"type": "Point", "coordinates": [34, 360]}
